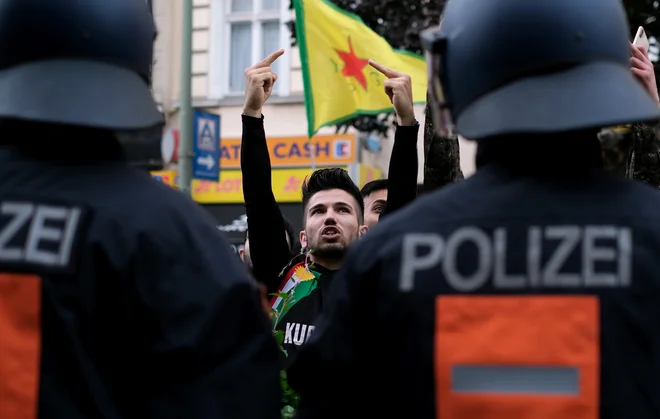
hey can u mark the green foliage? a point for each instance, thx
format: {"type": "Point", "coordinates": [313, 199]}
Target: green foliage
{"type": "Point", "coordinates": [275, 314]}
{"type": "Point", "coordinates": [279, 338]}
{"type": "Point", "coordinates": [290, 399]}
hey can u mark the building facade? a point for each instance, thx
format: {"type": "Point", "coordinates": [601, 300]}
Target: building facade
{"type": "Point", "coordinates": [228, 36]}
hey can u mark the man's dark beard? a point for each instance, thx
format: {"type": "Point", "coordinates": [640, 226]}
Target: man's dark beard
{"type": "Point", "coordinates": [330, 251]}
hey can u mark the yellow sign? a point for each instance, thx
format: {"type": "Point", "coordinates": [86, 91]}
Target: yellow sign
{"type": "Point", "coordinates": [369, 173]}
{"type": "Point", "coordinates": [328, 150]}
{"type": "Point", "coordinates": [286, 187]}
{"type": "Point", "coordinates": [168, 177]}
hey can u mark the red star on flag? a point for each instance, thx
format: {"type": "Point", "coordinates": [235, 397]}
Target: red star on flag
{"type": "Point", "coordinates": [353, 65]}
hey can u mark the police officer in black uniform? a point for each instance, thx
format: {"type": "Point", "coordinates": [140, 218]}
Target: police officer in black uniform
{"type": "Point", "coordinates": [531, 289]}
{"type": "Point", "coordinates": [118, 296]}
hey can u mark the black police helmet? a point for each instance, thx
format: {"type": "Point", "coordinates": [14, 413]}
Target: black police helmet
{"type": "Point", "coordinates": [502, 67]}
{"type": "Point", "coordinates": [85, 63]}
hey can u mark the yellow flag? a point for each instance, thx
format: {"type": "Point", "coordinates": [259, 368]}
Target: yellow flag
{"type": "Point", "coordinates": [335, 47]}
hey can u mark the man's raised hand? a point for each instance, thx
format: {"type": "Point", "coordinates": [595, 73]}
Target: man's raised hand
{"type": "Point", "coordinates": [259, 82]}
{"type": "Point", "coordinates": [398, 87]}
{"type": "Point", "coordinates": [642, 67]}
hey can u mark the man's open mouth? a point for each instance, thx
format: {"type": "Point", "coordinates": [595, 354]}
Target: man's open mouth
{"type": "Point", "coordinates": [330, 232]}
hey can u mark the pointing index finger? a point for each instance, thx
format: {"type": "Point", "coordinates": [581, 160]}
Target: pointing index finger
{"type": "Point", "coordinates": [272, 57]}
{"type": "Point", "coordinates": [384, 70]}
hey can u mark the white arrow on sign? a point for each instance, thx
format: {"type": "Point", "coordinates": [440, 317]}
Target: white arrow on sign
{"type": "Point", "coordinates": [206, 161]}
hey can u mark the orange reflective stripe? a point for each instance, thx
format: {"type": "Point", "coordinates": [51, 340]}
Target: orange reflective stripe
{"type": "Point", "coordinates": [20, 345]}
{"type": "Point", "coordinates": [520, 337]}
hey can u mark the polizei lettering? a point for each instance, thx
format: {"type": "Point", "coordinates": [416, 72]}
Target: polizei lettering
{"type": "Point", "coordinates": [297, 334]}
{"type": "Point", "coordinates": [553, 256]}
{"type": "Point", "coordinates": [37, 234]}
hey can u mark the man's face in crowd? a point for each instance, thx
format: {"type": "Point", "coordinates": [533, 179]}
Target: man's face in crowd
{"type": "Point", "coordinates": [331, 223]}
{"type": "Point", "coordinates": [374, 205]}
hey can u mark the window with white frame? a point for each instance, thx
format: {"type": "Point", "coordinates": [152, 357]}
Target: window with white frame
{"type": "Point", "coordinates": [252, 29]}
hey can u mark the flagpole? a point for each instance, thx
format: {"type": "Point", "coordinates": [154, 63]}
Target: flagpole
{"type": "Point", "coordinates": [185, 109]}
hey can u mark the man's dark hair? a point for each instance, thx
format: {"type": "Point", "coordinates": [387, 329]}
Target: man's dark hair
{"type": "Point", "coordinates": [373, 186]}
{"type": "Point", "coordinates": [326, 179]}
